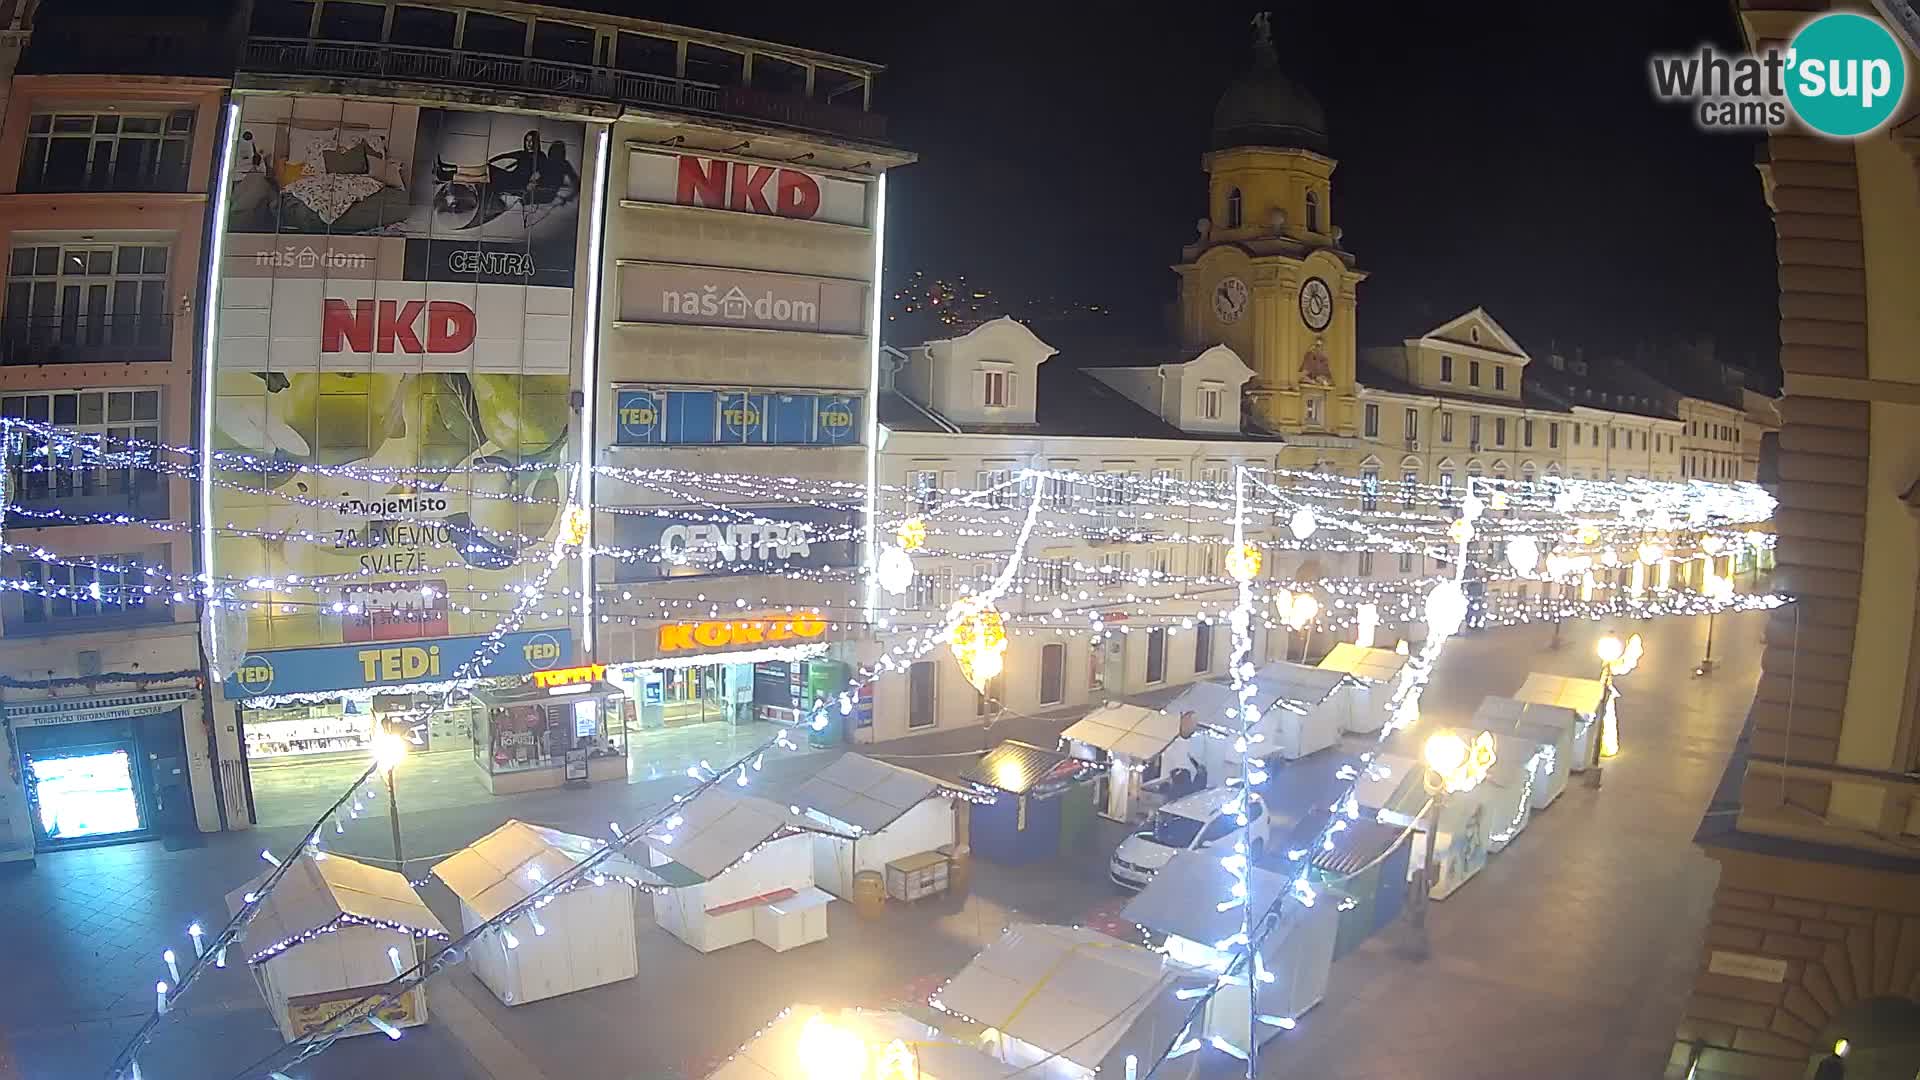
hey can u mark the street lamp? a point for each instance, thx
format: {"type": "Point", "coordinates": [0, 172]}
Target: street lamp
{"type": "Point", "coordinates": [389, 750]}
{"type": "Point", "coordinates": [1616, 658]}
{"type": "Point", "coordinates": [1453, 765]}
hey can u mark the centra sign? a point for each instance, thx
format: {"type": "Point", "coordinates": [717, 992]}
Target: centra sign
{"type": "Point", "coordinates": [731, 633]}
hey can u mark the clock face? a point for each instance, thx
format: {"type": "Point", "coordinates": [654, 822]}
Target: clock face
{"type": "Point", "coordinates": [1229, 299]}
{"type": "Point", "coordinates": [1316, 304]}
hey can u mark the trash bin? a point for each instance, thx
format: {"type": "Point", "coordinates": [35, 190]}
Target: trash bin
{"type": "Point", "coordinates": [869, 894]}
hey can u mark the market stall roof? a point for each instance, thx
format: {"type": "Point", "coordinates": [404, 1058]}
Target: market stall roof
{"type": "Point", "coordinates": [1358, 846]}
{"type": "Point", "coordinates": [717, 827]}
{"type": "Point", "coordinates": [774, 1054]}
{"type": "Point", "coordinates": [1300, 795]}
{"type": "Point", "coordinates": [866, 793]}
{"type": "Point", "coordinates": [330, 891]}
{"type": "Point", "coordinates": [1283, 680]}
{"type": "Point", "coordinates": [1384, 784]}
{"type": "Point", "coordinates": [1069, 991]}
{"type": "Point", "coordinates": [1580, 695]}
{"type": "Point", "coordinates": [1184, 898]}
{"type": "Point", "coordinates": [1019, 768]}
{"type": "Point", "coordinates": [1207, 701]}
{"type": "Point", "coordinates": [1139, 733]}
{"type": "Point", "coordinates": [513, 861]}
{"type": "Point", "coordinates": [1378, 665]}
{"type": "Point", "coordinates": [1506, 714]}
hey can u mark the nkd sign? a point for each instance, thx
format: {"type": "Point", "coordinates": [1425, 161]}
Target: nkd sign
{"type": "Point", "coordinates": [745, 187]}
{"type": "Point", "coordinates": [711, 296]}
{"type": "Point", "coordinates": [393, 326]}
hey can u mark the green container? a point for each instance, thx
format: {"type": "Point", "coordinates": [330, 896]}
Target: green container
{"type": "Point", "coordinates": [826, 681]}
{"type": "Point", "coordinates": [1077, 815]}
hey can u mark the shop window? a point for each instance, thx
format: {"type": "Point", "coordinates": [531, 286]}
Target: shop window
{"type": "Point", "coordinates": [428, 28]}
{"type": "Point", "coordinates": [646, 55]}
{"type": "Point", "coordinates": [107, 591]}
{"type": "Point", "coordinates": [1156, 656]}
{"type": "Point", "coordinates": [116, 151]}
{"type": "Point", "coordinates": [54, 475]}
{"type": "Point", "coordinates": [344, 21]}
{"type": "Point", "coordinates": [1053, 674]}
{"type": "Point", "coordinates": [1202, 648]}
{"type": "Point", "coordinates": [922, 679]}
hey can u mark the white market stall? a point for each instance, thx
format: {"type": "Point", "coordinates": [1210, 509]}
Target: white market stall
{"type": "Point", "coordinates": [1392, 789]}
{"type": "Point", "coordinates": [1201, 710]}
{"type": "Point", "coordinates": [1300, 712]}
{"type": "Point", "coordinates": [1551, 726]}
{"type": "Point", "coordinates": [1375, 676]}
{"type": "Point", "coordinates": [1069, 1002]}
{"type": "Point", "coordinates": [737, 868]}
{"type": "Point", "coordinates": [1506, 794]}
{"type": "Point", "coordinates": [1183, 902]}
{"type": "Point", "coordinates": [582, 937]}
{"type": "Point", "coordinates": [879, 814]}
{"type": "Point", "coordinates": [1583, 696]}
{"type": "Point", "coordinates": [807, 1042]}
{"type": "Point", "coordinates": [331, 934]}
{"type": "Point", "coordinates": [1129, 740]}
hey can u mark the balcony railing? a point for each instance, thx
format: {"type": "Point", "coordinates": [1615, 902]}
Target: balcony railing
{"type": "Point", "coordinates": [86, 339]}
{"type": "Point", "coordinates": [375, 60]}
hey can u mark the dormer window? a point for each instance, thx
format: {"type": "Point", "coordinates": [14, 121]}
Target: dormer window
{"type": "Point", "coordinates": [1210, 399]}
{"type": "Point", "coordinates": [1313, 211]}
{"type": "Point", "coordinates": [996, 388]}
{"type": "Point", "coordinates": [1473, 334]}
{"type": "Point", "coordinates": [1235, 212]}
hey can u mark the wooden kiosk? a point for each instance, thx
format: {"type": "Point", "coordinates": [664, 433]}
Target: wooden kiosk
{"type": "Point", "coordinates": [738, 868]}
{"type": "Point", "coordinates": [885, 819]}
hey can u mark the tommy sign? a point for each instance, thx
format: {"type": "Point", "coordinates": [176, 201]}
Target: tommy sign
{"type": "Point", "coordinates": [717, 296]}
{"type": "Point", "coordinates": [744, 187]}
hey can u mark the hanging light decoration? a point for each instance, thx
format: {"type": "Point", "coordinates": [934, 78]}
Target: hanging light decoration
{"type": "Point", "coordinates": [1472, 506]}
{"type": "Point", "coordinates": [1302, 524]}
{"type": "Point", "coordinates": [1300, 610]}
{"type": "Point", "coordinates": [1712, 544]}
{"type": "Point", "coordinates": [1460, 531]}
{"type": "Point", "coordinates": [1650, 553]}
{"type": "Point", "coordinates": [894, 570]}
{"type": "Point", "coordinates": [1587, 534]}
{"type": "Point", "coordinates": [1498, 501]}
{"type": "Point", "coordinates": [1523, 553]}
{"type": "Point", "coordinates": [978, 641]}
{"type": "Point", "coordinates": [1446, 609]}
{"type": "Point", "coordinates": [912, 534]}
{"type": "Point", "coordinates": [1243, 562]}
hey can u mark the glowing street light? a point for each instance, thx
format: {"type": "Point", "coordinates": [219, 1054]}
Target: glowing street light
{"type": "Point", "coordinates": [389, 750]}
{"type": "Point", "coordinates": [1452, 765]}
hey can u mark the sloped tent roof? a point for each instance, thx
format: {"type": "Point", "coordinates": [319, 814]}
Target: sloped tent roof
{"type": "Point", "coordinates": [1207, 701]}
{"type": "Point", "coordinates": [867, 794]}
{"type": "Point", "coordinates": [331, 891]}
{"type": "Point", "coordinates": [1502, 714]}
{"type": "Point", "coordinates": [1184, 898]}
{"type": "Point", "coordinates": [1019, 768]}
{"type": "Point", "coordinates": [1580, 695]}
{"type": "Point", "coordinates": [1383, 784]}
{"type": "Point", "coordinates": [718, 827]}
{"type": "Point", "coordinates": [774, 1054]}
{"type": "Point", "coordinates": [515, 860]}
{"type": "Point", "coordinates": [1072, 991]}
{"type": "Point", "coordinates": [1284, 680]}
{"type": "Point", "coordinates": [1300, 794]}
{"type": "Point", "coordinates": [1379, 665]}
{"type": "Point", "coordinates": [1133, 730]}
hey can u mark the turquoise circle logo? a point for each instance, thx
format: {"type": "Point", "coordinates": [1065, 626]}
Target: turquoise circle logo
{"type": "Point", "coordinates": [1846, 74]}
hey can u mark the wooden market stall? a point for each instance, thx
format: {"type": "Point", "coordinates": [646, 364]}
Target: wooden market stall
{"type": "Point", "coordinates": [1551, 726]}
{"type": "Point", "coordinates": [1183, 902]}
{"type": "Point", "coordinates": [1068, 1003]}
{"type": "Point", "coordinates": [807, 1042]}
{"type": "Point", "coordinates": [1369, 696]}
{"type": "Point", "coordinates": [880, 815]}
{"type": "Point", "coordinates": [1128, 740]}
{"type": "Point", "coordinates": [1041, 806]}
{"type": "Point", "coordinates": [331, 934]}
{"type": "Point", "coordinates": [582, 937]}
{"type": "Point", "coordinates": [1585, 697]}
{"type": "Point", "coordinates": [1300, 714]}
{"type": "Point", "coordinates": [1391, 789]}
{"type": "Point", "coordinates": [737, 868]}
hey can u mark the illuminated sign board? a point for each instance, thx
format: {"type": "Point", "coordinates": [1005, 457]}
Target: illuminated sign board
{"type": "Point", "coordinates": [734, 633]}
{"type": "Point", "coordinates": [586, 673]}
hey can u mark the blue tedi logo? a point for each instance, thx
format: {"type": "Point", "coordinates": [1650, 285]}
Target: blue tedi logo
{"type": "Point", "coordinates": [254, 675]}
{"type": "Point", "coordinates": [1843, 75]}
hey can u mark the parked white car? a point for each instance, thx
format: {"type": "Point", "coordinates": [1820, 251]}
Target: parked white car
{"type": "Point", "coordinates": [1189, 823]}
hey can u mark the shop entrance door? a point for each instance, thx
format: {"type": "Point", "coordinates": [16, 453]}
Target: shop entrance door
{"type": "Point", "coordinates": [86, 794]}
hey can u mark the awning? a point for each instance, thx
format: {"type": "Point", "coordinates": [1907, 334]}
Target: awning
{"type": "Point", "coordinates": [1137, 732]}
{"type": "Point", "coordinates": [1019, 768]}
{"type": "Point", "coordinates": [44, 711]}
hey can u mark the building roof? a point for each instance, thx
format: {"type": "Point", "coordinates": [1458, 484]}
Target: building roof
{"type": "Point", "coordinates": [718, 827]}
{"type": "Point", "coordinates": [1263, 107]}
{"type": "Point", "coordinates": [774, 1054]}
{"type": "Point", "coordinates": [1069, 991]}
{"type": "Point", "coordinates": [1375, 378]}
{"type": "Point", "coordinates": [1019, 768]}
{"type": "Point", "coordinates": [1580, 695]}
{"type": "Point", "coordinates": [1383, 784]}
{"type": "Point", "coordinates": [867, 794]}
{"type": "Point", "coordinates": [1378, 665]}
{"type": "Point", "coordinates": [514, 861]}
{"type": "Point", "coordinates": [1184, 898]}
{"type": "Point", "coordinates": [1139, 733]}
{"type": "Point", "coordinates": [327, 891]}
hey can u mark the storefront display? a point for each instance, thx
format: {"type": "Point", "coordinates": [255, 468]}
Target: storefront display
{"type": "Point", "coordinates": [531, 736]}
{"type": "Point", "coordinates": [348, 726]}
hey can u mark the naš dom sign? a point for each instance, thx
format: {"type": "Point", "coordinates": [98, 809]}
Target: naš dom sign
{"type": "Point", "coordinates": [735, 633]}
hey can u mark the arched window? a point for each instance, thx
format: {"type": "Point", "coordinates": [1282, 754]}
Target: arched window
{"type": "Point", "coordinates": [1313, 211]}
{"type": "Point", "coordinates": [1234, 213]}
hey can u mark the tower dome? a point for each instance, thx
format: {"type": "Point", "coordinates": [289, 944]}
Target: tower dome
{"type": "Point", "coordinates": [1262, 107]}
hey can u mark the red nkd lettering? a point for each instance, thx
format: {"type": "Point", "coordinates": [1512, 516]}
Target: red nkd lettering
{"type": "Point", "coordinates": [389, 326]}
{"type": "Point", "coordinates": [736, 185]}
{"type": "Point", "coordinates": [750, 188]}
{"type": "Point", "coordinates": [702, 182]}
{"type": "Point", "coordinates": [797, 195]}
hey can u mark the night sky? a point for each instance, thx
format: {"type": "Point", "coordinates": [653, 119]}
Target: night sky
{"type": "Point", "coordinates": [1494, 154]}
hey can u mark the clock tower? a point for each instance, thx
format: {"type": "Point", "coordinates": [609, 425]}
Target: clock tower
{"type": "Point", "coordinates": [1267, 276]}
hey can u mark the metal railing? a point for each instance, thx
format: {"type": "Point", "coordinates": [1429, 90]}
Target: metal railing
{"type": "Point", "coordinates": [376, 60]}
{"type": "Point", "coordinates": [86, 339]}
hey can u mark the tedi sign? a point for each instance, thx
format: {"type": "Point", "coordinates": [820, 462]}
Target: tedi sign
{"type": "Point", "coordinates": [393, 326]}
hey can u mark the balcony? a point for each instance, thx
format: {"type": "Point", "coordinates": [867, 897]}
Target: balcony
{"type": "Point", "coordinates": [383, 61]}
{"type": "Point", "coordinates": [86, 339]}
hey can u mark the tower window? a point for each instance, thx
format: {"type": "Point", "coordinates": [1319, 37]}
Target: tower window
{"type": "Point", "coordinates": [1313, 212]}
{"type": "Point", "coordinates": [1234, 209]}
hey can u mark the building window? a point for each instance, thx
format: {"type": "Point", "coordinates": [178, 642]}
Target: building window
{"type": "Point", "coordinates": [1446, 368]}
{"type": "Point", "coordinates": [46, 471]}
{"type": "Point", "coordinates": [1313, 211]}
{"type": "Point", "coordinates": [923, 678]}
{"type": "Point", "coordinates": [1053, 674]}
{"type": "Point", "coordinates": [1058, 493]}
{"type": "Point", "coordinates": [996, 389]}
{"type": "Point", "coordinates": [1370, 487]}
{"type": "Point", "coordinates": [996, 487]}
{"type": "Point", "coordinates": [993, 699]}
{"type": "Point", "coordinates": [1202, 648]}
{"type": "Point", "coordinates": [1316, 409]}
{"type": "Point", "coordinates": [1594, 430]}
{"type": "Point", "coordinates": [1526, 432]}
{"type": "Point", "coordinates": [107, 151]}
{"type": "Point", "coordinates": [1371, 419]}
{"type": "Point", "coordinates": [1553, 436]}
{"type": "Point", "coordinates": [1236, 211]}
{"type": "Point", "coordinates": [925, 485]}
{"type": "Point", "coordinates": [1166, 484]}
{"type": "Point", "coordinates": [1409, 480]}
{"type": "Point", "coordinates": [1446, 427]}
{"type": "Point", "coordinates": [1210, 402]}
{"type": "Point", "coordinates": [1526, 473]}
{"type": "Point", "coordinates": [1413, 427]}
{"type": "Point", "coordinates": [1499, 376]}
{"type": "Point", "coordinates": [1576, 434]}
{"type": "Point", "coordinates": [1157, 655]}
{"type": "Point", "coordinates": [1499, 431]}
{"type": "Point", "coordinates": [1446, 482]}
{"type": "Point", "coordinates": [1613, 438]}
{"type": "Point", "coordinates": [88, 302]}
{"type": "Point", "coordinates": [1053, 574]}
{"type": "Point", "coordinates": [111, 590]}
{"type": "Point", "coordinates": [1406, 562]}
{"type": "Point", "coordinates": [1473, 373]}
{"type": "Point", "coordinates": [1473, 335]}
{"type": "Point", "coordinates": [1209, 561]}
{"type": "Point", "coordinates": [1162, 557]}
{"type": "Point", "coordinates": [1473, 431]}
{"type": "Point", "coordinates": [1366, 564]}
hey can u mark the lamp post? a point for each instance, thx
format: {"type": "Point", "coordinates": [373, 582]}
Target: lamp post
{"type": "Point", "coordinates": [1718, 590]}
{"type": "Point", "coordinates": [1616, 658]}
{"type": "Point", "coordinates": [389, 750]}
{"type": "Point", "coordinates": [1452, 765]}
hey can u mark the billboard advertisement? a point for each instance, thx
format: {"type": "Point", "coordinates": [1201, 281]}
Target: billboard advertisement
{"type": "Point", "coordinates": [767, 540]}
{"type": "Point", "coordinates": [396, 336]}
{"type": "Point", "coordinates": [720, 296]}
{"type": "Point", "coordinates": [744, 187]}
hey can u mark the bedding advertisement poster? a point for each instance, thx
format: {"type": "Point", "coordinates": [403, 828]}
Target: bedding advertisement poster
{"type": "Point", "coordinates": [395, 345]}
